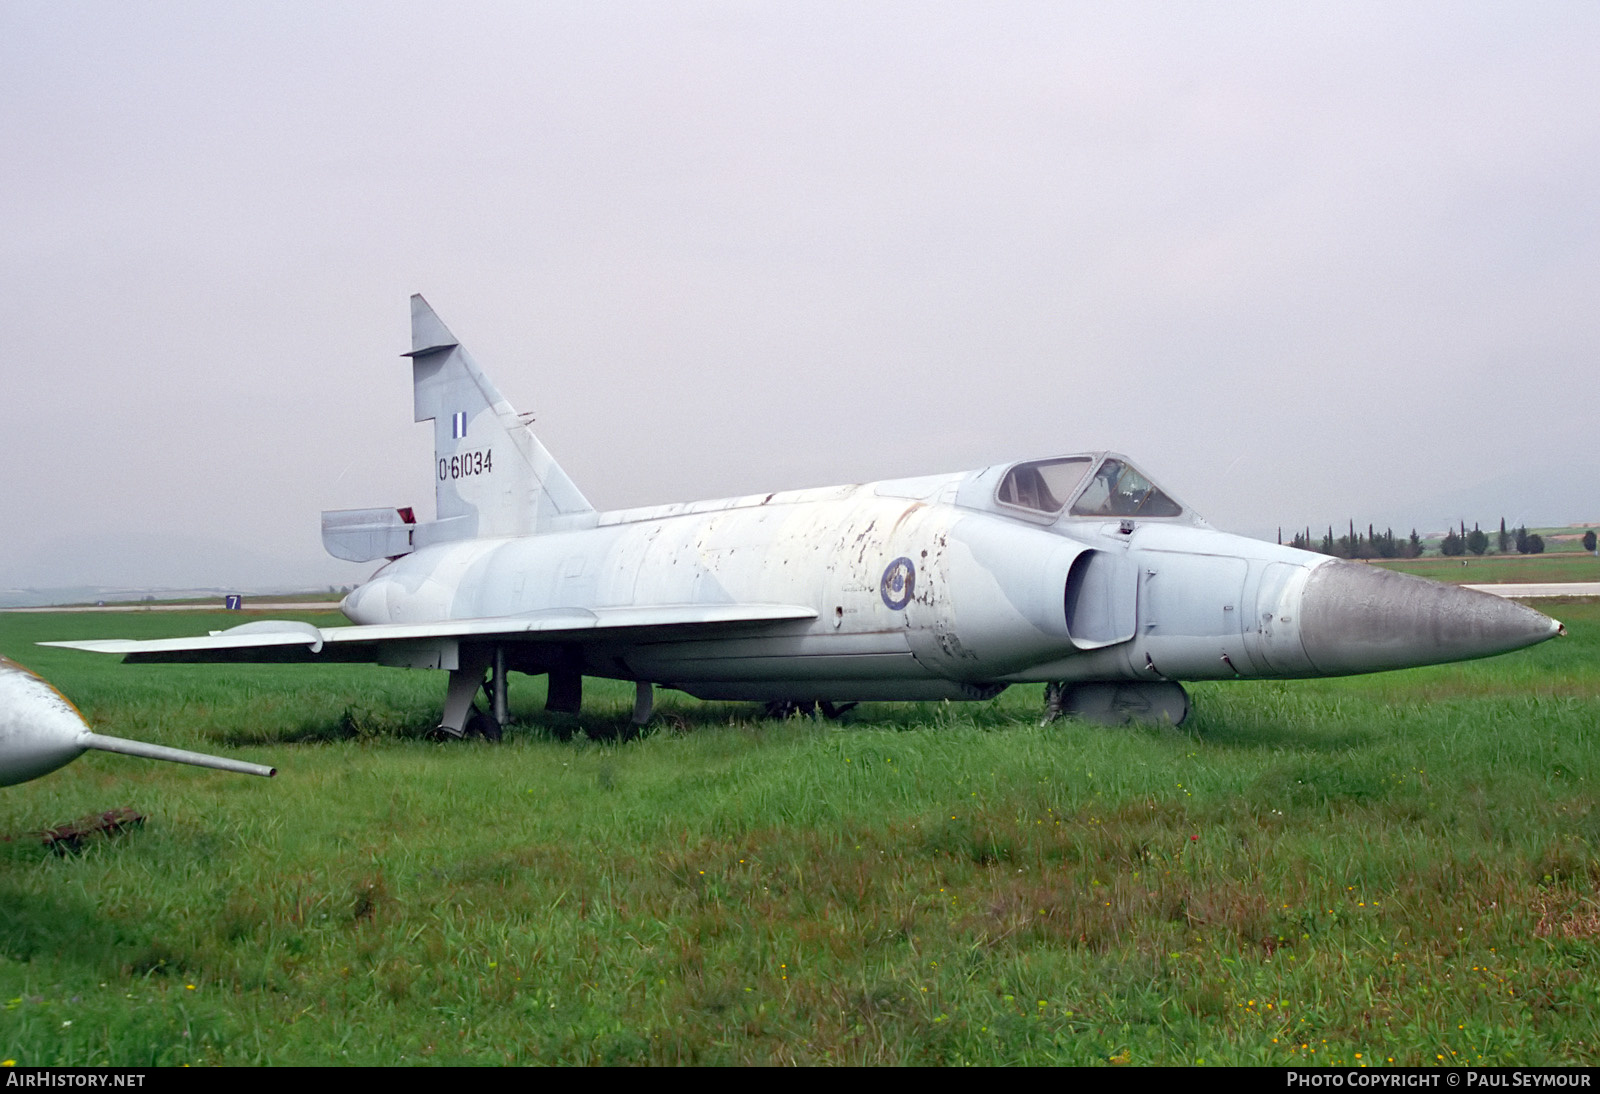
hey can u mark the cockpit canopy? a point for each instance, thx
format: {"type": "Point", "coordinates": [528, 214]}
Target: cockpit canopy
{"type": "Point", "coordinates": [1114, 488]}
{"type": "Point", "coordinates": [1044, 485]}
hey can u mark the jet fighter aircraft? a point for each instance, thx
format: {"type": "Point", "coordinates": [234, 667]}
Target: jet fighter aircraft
{"type": "Point", "coordinates": [1076, 571]}
{"type": "Point", "coordinates": [41, 731]}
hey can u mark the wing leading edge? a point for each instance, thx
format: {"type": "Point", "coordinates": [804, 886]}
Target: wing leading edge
{"type": "Point", "coordinates": [287, 640]}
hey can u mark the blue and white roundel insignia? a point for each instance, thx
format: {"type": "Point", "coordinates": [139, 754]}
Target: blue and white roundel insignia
{"type": "Point", "coordinates": [899, 583]}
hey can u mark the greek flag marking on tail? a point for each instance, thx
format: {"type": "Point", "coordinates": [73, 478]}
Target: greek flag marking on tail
{"type": "Point", "coordinates": [458, 424]}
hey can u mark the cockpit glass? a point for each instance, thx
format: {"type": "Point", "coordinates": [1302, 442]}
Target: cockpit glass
{"type": "Point", "coordinates": [1117, 490]}
{"type": "Point", "coordinates": [1044, 485]}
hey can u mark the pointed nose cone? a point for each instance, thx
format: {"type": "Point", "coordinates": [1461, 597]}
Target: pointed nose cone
{"type": "Point", "coordinates": [39, 730]}
{"type": "Point", "coordinates": [1356, 618]}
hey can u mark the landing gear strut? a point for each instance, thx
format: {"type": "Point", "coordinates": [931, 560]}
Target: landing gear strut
{"type": "Point", "coordinates": [461, 716]}
{"type": "Point", "coordinates": [1054, 702]}
{"type": "Point", "coordinates": [497, 688]}
{"type": "Point", "coordinates": [644, 701]}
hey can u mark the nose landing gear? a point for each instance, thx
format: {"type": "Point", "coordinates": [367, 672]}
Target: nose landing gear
{"type": "Point", "coordinates": [1117, 702]}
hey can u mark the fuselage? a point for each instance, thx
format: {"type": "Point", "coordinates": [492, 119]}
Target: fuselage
{"type": "Point", "coordinates": [938, 587]}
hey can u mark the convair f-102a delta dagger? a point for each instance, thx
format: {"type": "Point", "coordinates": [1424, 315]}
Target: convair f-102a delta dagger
{"type": "Point", "coordinates": [1075, 571]}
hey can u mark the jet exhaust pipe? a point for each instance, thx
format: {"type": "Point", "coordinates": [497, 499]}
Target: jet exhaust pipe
{"type": "Point", "coordinates": [1356, 618]}
{"type": "Point", "coordinates": [40, 730]}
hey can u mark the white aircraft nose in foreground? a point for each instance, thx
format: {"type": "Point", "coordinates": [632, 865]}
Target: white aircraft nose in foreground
{"type": "Point", "coordinates": [41, 731]}
{"type": "Point", "coordinates": [1076, 571]}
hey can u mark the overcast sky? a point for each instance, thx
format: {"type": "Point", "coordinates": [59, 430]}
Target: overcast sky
{"type": "Point", "coordinates": [1301, 262]}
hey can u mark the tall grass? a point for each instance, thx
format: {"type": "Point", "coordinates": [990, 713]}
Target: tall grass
{"type": "Point", "coordinates": [1394, 868]}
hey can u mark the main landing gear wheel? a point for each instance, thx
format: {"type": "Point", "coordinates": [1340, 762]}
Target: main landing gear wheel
{"type": "Point", "coordinates": [482, 725]}
{"type": "Point", "coordinates": [477, 724]}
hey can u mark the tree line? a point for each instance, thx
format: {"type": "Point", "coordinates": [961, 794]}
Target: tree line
{"type": "Point", "coordinates": [1456, 542]}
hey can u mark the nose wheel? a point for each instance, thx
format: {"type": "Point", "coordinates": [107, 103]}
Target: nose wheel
{"type": "Point", "coordinates": [1117, 702]}
{"type": "Point", "coordinates": [779, 709]}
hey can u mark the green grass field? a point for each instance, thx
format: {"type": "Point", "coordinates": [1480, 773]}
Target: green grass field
{"type": "Point", "coordinates": [1393, 868]}
{"type": "Point", "coordinates": [1497, 569]}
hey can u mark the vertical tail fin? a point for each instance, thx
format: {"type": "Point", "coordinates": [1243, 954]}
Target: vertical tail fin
{"type": "Point", "coordinates": [492, 476]}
